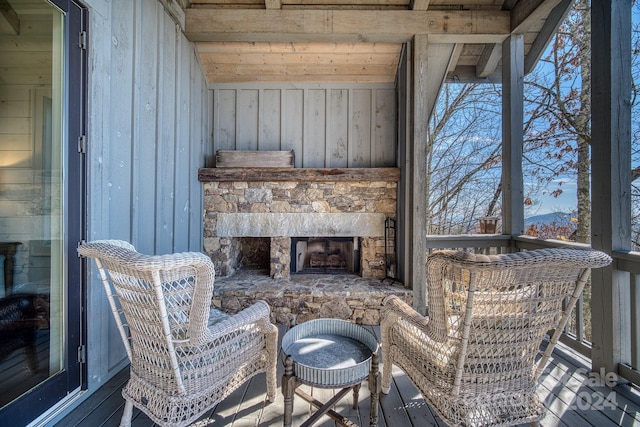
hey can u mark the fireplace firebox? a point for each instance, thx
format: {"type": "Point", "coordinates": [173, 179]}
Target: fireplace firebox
{"type": "Point", "coordinates": [325, 255]}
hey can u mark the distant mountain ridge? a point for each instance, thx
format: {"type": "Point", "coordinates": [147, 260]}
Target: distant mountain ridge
{"type": "Point", "coordinates": [550, 218]}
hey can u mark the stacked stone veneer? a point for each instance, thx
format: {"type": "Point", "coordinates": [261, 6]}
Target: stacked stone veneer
{"type": "Point", "coordinates": [308, 205]}
{"type": "Point", "coordinates": [309, 296]}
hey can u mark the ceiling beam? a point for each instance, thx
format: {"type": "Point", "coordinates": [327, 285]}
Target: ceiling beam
{"type": "Point", "coordinates": [547, 31]}
{"type": "Point", "coordinates": [273, 4]}
{"type": "Point", "coordinates": [489, 60]}
{"type": "Point", "coordinates": [285, 25]}
{"type": "Point", "coordinates": [527, 13]}
{"type": "Point", "coordinates": [453, 61]}
{"type": "Point", "coordinates": [467, 74]}
{"type": "Point", "coordinates": [419, 4]}
{"type": "Point", "coordinates": [174, 9]}
{"type": "Point", "coordinates": [437, 60]}
{"type": "Point", "coordinates": [9, 22]}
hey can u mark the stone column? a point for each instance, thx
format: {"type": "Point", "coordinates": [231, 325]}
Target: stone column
{"type": "Point", "coordinates": [280, 253]}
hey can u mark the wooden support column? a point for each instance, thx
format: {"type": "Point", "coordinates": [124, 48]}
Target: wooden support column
{"type": "Point", "coordinates": [403, 217]}
{"type": "Point", "coordinates": [611, 177]}
{"type": "Point", "coordinates": [417, 233]}
{"type": "Point", "coordinates": [512, 130]}
{"type": "Point", "coordinates": [429, 63]}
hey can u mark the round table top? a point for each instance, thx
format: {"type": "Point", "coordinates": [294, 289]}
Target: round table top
{"type": "Point", "coordinates": [330, 352]}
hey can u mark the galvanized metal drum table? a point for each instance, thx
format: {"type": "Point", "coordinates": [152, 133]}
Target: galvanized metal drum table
{"type": "Point", "coordinates": [329, 353]}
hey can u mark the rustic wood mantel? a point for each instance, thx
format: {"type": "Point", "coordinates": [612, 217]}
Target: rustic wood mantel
{"type": "Point", "coordinates": [299, 174]}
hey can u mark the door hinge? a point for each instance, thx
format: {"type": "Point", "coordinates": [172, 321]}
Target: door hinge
{"type": "Point", "coordinates": [80, 243]}
{"type": "Point", "coordinates": [82, 354]}
{"type": "Point", "coordinates": [82, 40]}
{"type": "Point", "coordinates": [82, 144]}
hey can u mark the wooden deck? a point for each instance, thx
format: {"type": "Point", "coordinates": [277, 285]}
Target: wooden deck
{"type": "Point", "coordinates": [572, 399]}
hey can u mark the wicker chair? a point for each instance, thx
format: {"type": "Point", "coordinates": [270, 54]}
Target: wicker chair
{"type": "Point", "coordinates": [185, 357]}
{"type": "Point", "coordinates": [475, 358]}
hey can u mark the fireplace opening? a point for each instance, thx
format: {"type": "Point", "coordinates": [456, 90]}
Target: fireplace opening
{"type": "Point", "coordinates": [253, 253]}
{"type": "Point", "coordinates": [325, 255]}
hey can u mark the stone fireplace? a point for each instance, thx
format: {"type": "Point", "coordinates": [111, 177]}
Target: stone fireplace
{"type": "Point", "coordinates": [288, 209]}
{"type": "Point", "coordinates": [310, 242]}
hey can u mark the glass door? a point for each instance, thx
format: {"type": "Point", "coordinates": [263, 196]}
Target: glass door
{"type": "Point", "coordinates": [41, 171]}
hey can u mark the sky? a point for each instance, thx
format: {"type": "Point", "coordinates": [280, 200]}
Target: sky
{"type": "Point", "coordinates": [544, 202]}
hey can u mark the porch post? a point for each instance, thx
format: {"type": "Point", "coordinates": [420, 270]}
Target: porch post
{"type": "Point", "coordinates": [417, 170]}
{"type": "Point", "coordinates": [611, 177]}
{"type": "Point", "coordinates": [512, 129]}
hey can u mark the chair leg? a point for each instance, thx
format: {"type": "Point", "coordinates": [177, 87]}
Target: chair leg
{"type": "Point", "coordinates": [387, 365]}
{"type": "Point", "coordinates": [271, 383]}
{"type": "Point", "coordinates": [272, 354]}
{"type": "Point", "coordinates": [386, 376]}
{"type": "Point", "coordinates": [125, 421]}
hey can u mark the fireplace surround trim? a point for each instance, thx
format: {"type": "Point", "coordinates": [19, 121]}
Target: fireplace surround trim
{"type": "Point", "coordinates": [298, 174]}
{"type": "Point", "coordinates": [258, 224]}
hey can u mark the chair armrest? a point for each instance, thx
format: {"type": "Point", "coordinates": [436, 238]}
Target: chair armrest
{"type": "Point", "coordinates": [171, 261]}
{"type": "Point", "coordinates": [402, 310]}
{"type": "Point", "coordinates": [258, 313]}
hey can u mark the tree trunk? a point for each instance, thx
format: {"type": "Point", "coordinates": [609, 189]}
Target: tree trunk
{"type": "Point", "coordinates": [583, 233]}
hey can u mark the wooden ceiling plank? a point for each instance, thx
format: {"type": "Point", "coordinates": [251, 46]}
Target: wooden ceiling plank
{"type": "Point", "coordinates": [309, 58]}
{"type": "Point", "coordinates": [298, 69]}
{"type": "Point", "coordinates": [489, 60]}
{"type": "Point", "coordinates": [345, 25]}
{"type": "Point", "coordinates": [350, 3]}
{"type": "Point", "coordinates": [297, 47]}
{"type": "Point", "coordinates": [227, 2]}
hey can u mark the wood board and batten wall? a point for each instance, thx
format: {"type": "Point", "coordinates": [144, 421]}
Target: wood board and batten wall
{"type": "Point", "coordinates": [148, 133]}
{"type": "Point", "coordinates": [325, 124]}
{"type": "Point", "coordinates": [150, 118]}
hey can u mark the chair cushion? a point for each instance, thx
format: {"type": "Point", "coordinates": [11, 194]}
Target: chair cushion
{"type": "Point", "coordinates": [216, 316]}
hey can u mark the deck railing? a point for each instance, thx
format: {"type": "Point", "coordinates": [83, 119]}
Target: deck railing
{"type": "Point", "coordinates": [577, 333]}
{"type": "Point", "coordinates": [630, 263]}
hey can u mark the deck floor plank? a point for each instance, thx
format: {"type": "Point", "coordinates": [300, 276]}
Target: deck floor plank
{"type": "Point", "coordinates": [110, 392]}
{"type": "Point", "coordinates": [575, 368]}
{"type": "Point", "coordinates": [419, 412]}
{"type": "Point", "coordinates": [249, 410]}
{"type": "Point", "coordinates": [561, 385]}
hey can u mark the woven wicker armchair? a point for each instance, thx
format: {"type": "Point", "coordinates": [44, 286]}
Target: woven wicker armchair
{"type": "Point", "coordinates": [185, 357]}
{"type": "Point", "coordinates": [476, 357]}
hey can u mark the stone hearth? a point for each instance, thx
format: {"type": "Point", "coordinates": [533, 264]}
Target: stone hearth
{"type": "Point", "coordinates": [304, 297]}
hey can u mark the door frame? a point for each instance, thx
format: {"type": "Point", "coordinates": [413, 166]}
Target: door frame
{"type": "Point", "coordinates": [50, 392]}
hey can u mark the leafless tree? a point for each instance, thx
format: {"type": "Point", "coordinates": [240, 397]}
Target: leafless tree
{"type": "Point", "coordinates": [463, 158]}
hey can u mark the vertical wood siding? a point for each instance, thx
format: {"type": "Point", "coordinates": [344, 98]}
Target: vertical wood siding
{"type": "Point", "coordinates": [326, 126]}
{"type": "Point", "coordinates": [149, 121]}
{"type": "Point", "coordinates": [149, 132]}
